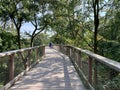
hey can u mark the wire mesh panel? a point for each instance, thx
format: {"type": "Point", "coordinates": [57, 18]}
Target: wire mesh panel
{"type": "Point", "coordinates": [19, 64]}
{"type": "Point", "coordinates": [33, 55]}
{"type": "Point", "coordinates": [108, 79]}
{"type": "Point", "coordinates": [84, 64]}
{"type": "Point", "coordinates": [4, 72]}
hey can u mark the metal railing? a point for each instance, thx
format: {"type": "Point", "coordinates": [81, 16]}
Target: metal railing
{"type": "Point", "coordinates": [14, 64]}
{"type": "Point", "coordinates": [97, 72]}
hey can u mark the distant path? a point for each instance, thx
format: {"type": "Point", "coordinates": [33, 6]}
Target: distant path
{"type": "Point", "coordinates": [54, 72]}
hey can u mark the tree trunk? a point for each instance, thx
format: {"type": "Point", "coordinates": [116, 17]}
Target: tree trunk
{"type": "Point", "coordinates": [31, 42]}
{"type": "Point", "coordinates": [18, 26]}
{"type": "Point", "coordinates": [96, 25]}
{"type": "Point", "coordinates": [96, 22]}
{"type": "Point", "coordinates": [18, 38]}
{"type": "Point", "coordinates": [33, 35]}
{"type": "Point", "coordinates": [95, 38]}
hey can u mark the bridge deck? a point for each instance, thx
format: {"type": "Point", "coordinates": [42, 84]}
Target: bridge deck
{"type": "Point", "coordinates": [54, 72]}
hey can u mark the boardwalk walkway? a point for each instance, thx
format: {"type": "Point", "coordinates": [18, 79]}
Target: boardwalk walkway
{"type": "Point", "coordinates": [54, 72]}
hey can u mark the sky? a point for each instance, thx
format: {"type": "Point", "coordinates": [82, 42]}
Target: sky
{"type": "Point", "coordinates": [27, 27]}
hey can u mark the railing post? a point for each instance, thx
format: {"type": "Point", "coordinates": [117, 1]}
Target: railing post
{"type": "Point", "coordinates": [90, 70]}
{"type": "Point", "coordinates": [75, 55]}
{"type": "Point", "coordinates": [60, 48]}
{"type": "Point", "coordinates": [11, 67]}
{"type": "Point", "coordinates": [95, 74]}
{"type": "Point", "coordinates": [37, 53]}
{"type": "Point", "coordinates": [43, 50]}
{"type": "Point", "coordinates": [28, 59]}
{"type": "Point", "coordinates": [64, 50]}
{"type": "Point", "coordinates": [80, 59]}
{"type": "Point", "coordinates": [70, 53]}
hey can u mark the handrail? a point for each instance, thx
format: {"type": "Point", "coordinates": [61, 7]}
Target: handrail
{"type": "Point", "coordinates": [109, 62]}
{"type": "Point", "coordinates": [26, 61]}
{"type": "Point", "coordinates": [93, 59]}
{"type": "Point", "coordinates": [16, 51]}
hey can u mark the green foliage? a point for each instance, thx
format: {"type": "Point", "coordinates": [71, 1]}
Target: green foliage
{"type": "Point", "coordinates": [7, 41]}
{"type": "Point", "coordinates": [41, 39]}
{"type": "Point", "coordinates": [113, 84]}
{"type": "Point", "coordinates": [110, 49]}
{"type": "Point", "coordinates": [57, 39]}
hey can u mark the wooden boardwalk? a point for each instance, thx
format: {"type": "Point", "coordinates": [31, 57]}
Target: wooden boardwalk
{"type": "Point", "coordinates": [54, 72]}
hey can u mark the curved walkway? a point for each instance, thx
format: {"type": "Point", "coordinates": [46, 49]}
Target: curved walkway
{"type": "Point", "coordinates": [54, 72]}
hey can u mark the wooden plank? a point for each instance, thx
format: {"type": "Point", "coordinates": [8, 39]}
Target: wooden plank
{"type": "Point", "coordinates": [54, 72]}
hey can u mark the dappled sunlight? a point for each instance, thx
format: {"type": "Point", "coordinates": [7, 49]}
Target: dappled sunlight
{"type": "Point", "coordinates": [54, 72]}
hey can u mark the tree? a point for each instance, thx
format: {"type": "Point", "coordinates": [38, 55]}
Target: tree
{"type": "Point", "coordinates": [96, 22]}
{"type": "Point", "coordinates": [7, 41]}
{"type": "Point", "coordinates": [40, 18]}
{"type": "Point", "coordinates": [15, 11]}
{"type": "Point", "coordinates": [41, 39]}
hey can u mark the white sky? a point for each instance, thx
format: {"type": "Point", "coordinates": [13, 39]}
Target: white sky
{"type": "Point", "coordinates": [27, 27]}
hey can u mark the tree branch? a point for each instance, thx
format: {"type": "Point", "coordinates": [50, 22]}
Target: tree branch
{"type": "Point", "coordinates": [40, 30]}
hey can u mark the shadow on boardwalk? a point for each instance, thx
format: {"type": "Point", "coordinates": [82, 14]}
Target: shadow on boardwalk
{"type": "Point", "coordinates": [54, 72]}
